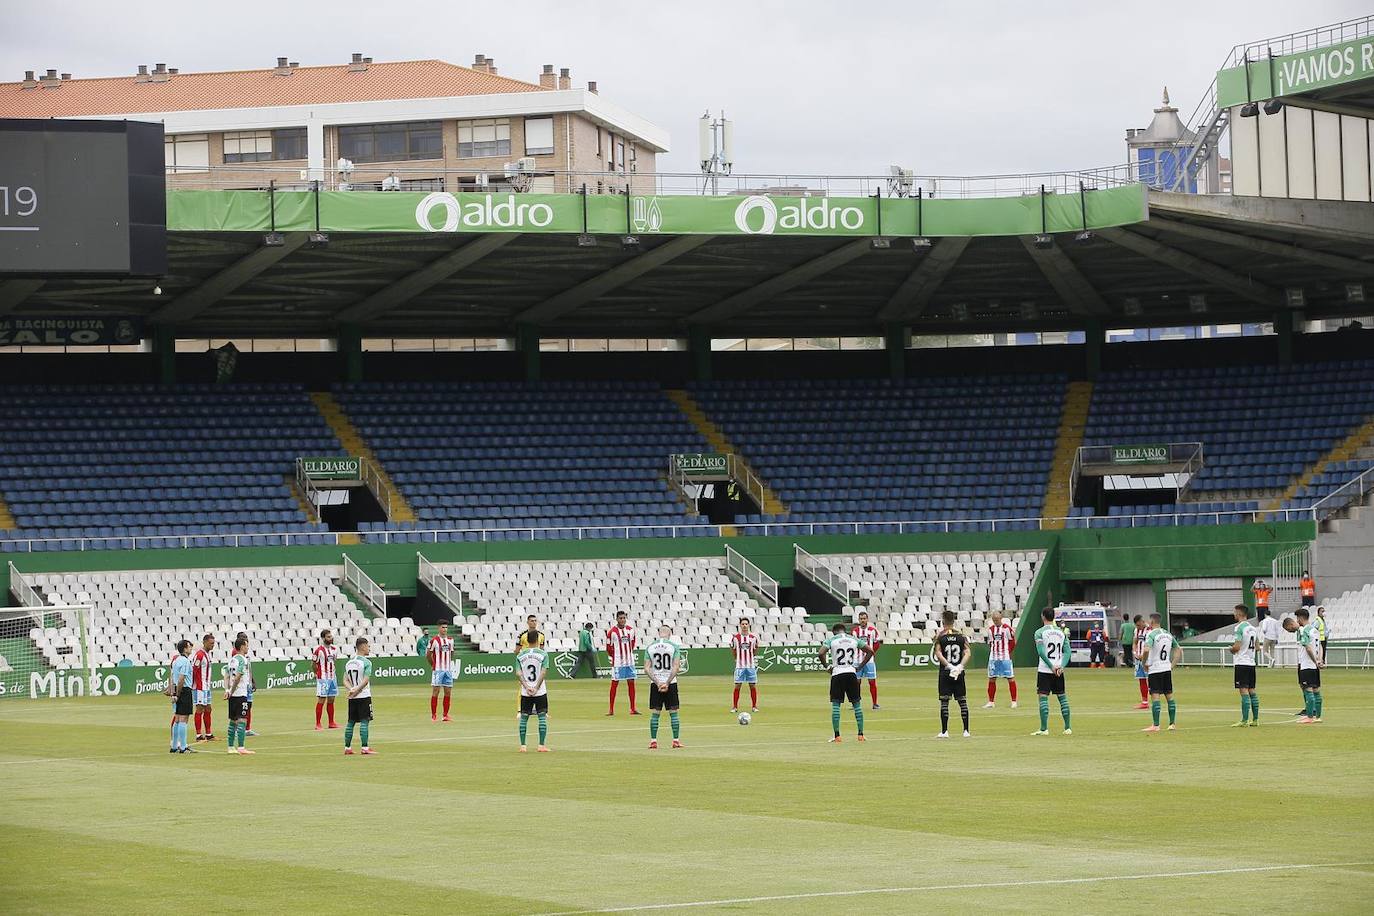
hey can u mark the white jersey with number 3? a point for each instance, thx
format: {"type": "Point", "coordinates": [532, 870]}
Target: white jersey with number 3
{"type": "Point", "coordinates": [532, 663]}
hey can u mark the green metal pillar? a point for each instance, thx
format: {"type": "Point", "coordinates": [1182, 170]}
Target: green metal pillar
{"type": "Point", "coordinates": [351, 352]}
{"type": "Point", "coordinates": [1285, 326]}
{"type": "Point", "coordinates": [1094, 336]}
{"type": "Point", "coordinates": [527, 342]}
{"type": "Point", "coordinates": [165, 346]}
{"type": "Point", "coordinates": [699, 342]}
{"type": "Point", "coordinates": [895, 340]}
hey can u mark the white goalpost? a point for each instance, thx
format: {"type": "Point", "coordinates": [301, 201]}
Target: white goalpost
{"type": "Point", "coordinates": [45, 651]}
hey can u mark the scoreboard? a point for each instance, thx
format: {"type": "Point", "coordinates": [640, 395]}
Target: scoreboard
{"type": "Point", "coordinates": [82, 198]}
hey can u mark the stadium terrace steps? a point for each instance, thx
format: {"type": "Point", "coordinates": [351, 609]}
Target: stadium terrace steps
{"type": "Point", "coordinates": [906, 593]}
{"type": "Point", "coordinates": [7, 522]}
{"type": "Point", "coordinates": [718, 441]}
{"type": "Point", "coordinates": [354, 443]}
{"type": "Point", "coordinates": [1348, 449]}
{"type": "Point", "coordinates": [137, 615]}
{"type": "Point", "coordinates": [693, 595]}
{"type": "Point", "coordinates": [1072, 422]}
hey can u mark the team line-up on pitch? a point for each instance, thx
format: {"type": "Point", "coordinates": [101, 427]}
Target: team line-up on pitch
{"type": "Point", "coordinates": [847, 654]}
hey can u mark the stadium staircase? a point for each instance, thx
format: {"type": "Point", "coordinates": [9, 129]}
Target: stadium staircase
{"type": "Point", "coordinates": [354, 443]}
{"type": "Point", "coordinates": [769, 503]}
{"type": "Point", "coordinates": [7, 522]}
{"type": "Point", "coordinates": [1072, 422]}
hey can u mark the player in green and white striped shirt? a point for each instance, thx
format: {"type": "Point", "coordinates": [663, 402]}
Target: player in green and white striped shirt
{"type": "Point", "coordinates": [1243, 646]}
{"type": "Point", "coordinates": [358, 682]}
{"type": "Point", "coordinates": [532, 671]}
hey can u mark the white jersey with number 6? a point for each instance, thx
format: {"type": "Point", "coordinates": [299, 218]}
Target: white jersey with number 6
{"type": "Point", "coordinates": [1159, 650]}
{"type": "Point", "coordinates": [532, 663]}
{"type": "Point", "coordinates": [844, 653]}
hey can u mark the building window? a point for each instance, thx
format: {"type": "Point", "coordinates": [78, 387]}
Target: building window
{"type": "Point", "coordinates": [620, 155]}
{"type": "Point", "coordinates": [186, 153]}
{"type": "Point", "coordinates": [247, 145]}
{"type": "Point", "coordinates": [391, 142]}
{"type": "Point", "coordinates": [539, 136]}
{"type": "Point", "coordinates": [483, 139]}
{"type": "Point", "coordinates": [289, 143]}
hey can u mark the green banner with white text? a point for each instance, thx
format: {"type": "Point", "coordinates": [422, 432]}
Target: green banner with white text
{"type": "Point", "coordinates": [1293, 74]}
{"type": "Point", "coordinates": [444, 212]}
{"type": "Point", "coordinates": [413, 670]}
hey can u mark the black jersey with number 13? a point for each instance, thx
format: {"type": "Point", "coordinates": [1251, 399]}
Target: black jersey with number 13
{"type": "Point", "coordinates": [954, 647]}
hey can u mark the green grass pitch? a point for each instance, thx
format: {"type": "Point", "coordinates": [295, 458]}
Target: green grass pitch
{"type": "Point", "coordinates": [97, 817]}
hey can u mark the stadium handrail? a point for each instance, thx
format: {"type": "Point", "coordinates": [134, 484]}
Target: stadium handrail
{"type": "Point", "coordinates": [364, 585]}
{"type": "Point", "coordinates": [1343, 496]}
{"type": "Point", "coordinates": [818, 572]}
{"type": "Point", "coordinates": [586, 532]}
{"type": "Point", "coordinates": [431, 576]}
{"type": "Point", "coordinates": [28, 595]}
{"type": "Point", "coordinates": [751, 575]}
{"type": "Point", "coordinates": [254, 177]}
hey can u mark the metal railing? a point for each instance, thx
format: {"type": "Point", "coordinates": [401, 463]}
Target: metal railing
{"type": "Point", "coordinates": [744, 475]}
{"type": "Point", "coordinates": [781, 184]}
{"type": "Point", "coordinates": [750, 576]}
{"type": "Point", "coordinates": [374, 481]}
{"type": "Point", "coordinates": [1286, 575]}
{"type": "Point", "coordinates": [687, 490]}
{"type": "Point", "coordinates": [441, 585]}
{"type": "Point", "coordinates": [363, 585]}
{"type": "Point", "coordinates": [277, 538]}
{"type": "Point", "coordinates": [1354, 654]}
{"type": "Point", "coordinates": [309, 489]}
{"type": "Point", "coordinates": [1305, 40]}
{"type": "Point", "coordinates": [817, 571]}
{"type": "Point", "coordinates": [1346, 494]}
{"type": "Point", "coordinates": [28, 595]}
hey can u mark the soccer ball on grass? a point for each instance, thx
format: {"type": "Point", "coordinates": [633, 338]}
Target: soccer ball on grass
{"type": "Point", "coordinates": [744, 718]}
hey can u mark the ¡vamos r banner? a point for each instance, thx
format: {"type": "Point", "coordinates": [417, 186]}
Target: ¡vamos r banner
{"type": "Point", "coordinates": [412, 670]}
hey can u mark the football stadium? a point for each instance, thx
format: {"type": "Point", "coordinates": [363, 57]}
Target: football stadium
{"type": "Point", "coordinates": [890, 542]}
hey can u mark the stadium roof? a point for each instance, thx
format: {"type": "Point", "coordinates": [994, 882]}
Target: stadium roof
{"type": "Point", "coordinates": [270, 87]}
{"type": "Point", "coordinates": [1193, 260]}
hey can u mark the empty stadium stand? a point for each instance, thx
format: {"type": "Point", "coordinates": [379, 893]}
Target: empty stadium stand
{"type": "Point", "coordinates": [1261, 426]}
{"type": "Point", "coordinates": [906, 593]}
{"type": "Point", "coordinates": [120, 461]}
{"type": "Point", "coordinates": [694, 596]}
{"type": "Point", "coordinates": [509, 456]}
{"type": "Point", "coordinates": [931, 449]}
{"type": "Point", "coordinates": [138, 616]}
{"type": "Point", "coordinates": [1351, 616]}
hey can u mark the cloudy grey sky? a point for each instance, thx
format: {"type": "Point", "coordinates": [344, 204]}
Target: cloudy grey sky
{"type": "Point", "coordinates": [973, 87]}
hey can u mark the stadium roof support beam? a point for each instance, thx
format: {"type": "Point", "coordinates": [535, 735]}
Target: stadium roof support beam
{"type": "Point", "coordinates": [916, 291]}
{"type": "Point", "coordinates": [427, 277]}
{"type": "Point", "coordinates": [787, 280]}
{"type": "Point", "coordinates": [215, 287]}
{"type": "Point", "coordinates": [570, 299]}
{"type": "Point", "coordinates": [14, 292]}
{"type": "Point", "coordinates": [1336, 262]}
{"type": "Point", "coordinates": [1242, 286]}
{"type": "Point", "coordinates": [1340, 219]}
{"type": "Point", "coordinates": [1068, 281]}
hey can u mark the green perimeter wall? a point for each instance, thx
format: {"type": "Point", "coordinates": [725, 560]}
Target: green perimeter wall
{"type": "Point", "coordinates": [1153, 554]}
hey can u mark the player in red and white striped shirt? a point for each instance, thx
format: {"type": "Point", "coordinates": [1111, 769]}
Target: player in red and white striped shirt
{"type": "Point", "coordinates": [622, 643]}
{"type": "Point", "coordinates": [745, 645]}
{"type": "Point", "coordinates": [200, 688]}
{"type": "Point", "coordinates": [1001, 642]}
{"type": "Point", "coordinates": [867, 635]}
{"type": "Point", "coordinates": [440, 657]}
{"type": "Point", "coordinates": [326, 677]}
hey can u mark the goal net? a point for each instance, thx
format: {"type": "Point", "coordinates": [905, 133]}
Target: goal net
{"type": "Point", "coordinates": [44, 651]}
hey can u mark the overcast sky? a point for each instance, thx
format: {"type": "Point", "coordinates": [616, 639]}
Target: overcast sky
{"type": "Point", "coordinates": [955, 88]}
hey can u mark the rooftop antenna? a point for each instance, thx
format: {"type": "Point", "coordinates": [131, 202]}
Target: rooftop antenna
{"type": "Point", "coordinates": [716, 140]}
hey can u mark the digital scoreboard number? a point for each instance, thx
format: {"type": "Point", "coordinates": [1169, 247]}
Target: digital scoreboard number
{"type": "Point", "coordinates": [82, 198]}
